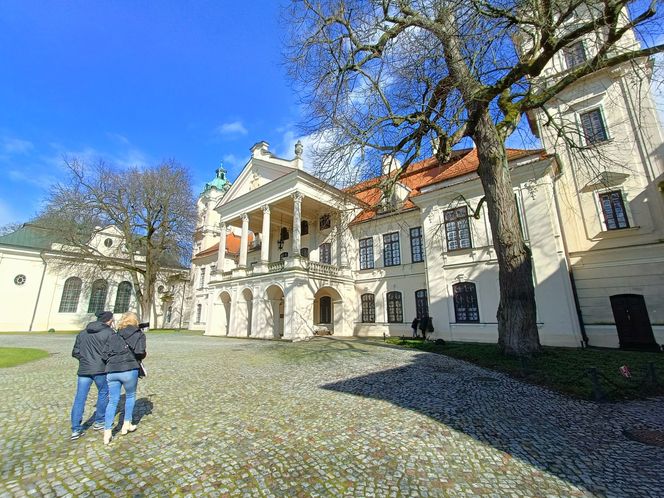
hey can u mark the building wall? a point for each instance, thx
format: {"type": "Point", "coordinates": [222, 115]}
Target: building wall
{"type": "Point", "coordinates": [27, 307]}
{"type": "Point", "coordinates": [631, 161]}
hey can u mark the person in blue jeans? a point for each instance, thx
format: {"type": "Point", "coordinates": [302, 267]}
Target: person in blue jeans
{"type": "Point", "coordinates": [122, 354]}
{"type": "Point", "coordinates": [91, 369]}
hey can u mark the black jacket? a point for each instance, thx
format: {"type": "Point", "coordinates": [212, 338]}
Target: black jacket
{"type": "Point", "coordinates": [124, 349]}
{"type": "Point", "coordinates": [89, 346]}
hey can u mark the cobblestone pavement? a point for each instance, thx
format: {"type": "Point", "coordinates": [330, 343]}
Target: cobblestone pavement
{"type": "Point", "coordinates": [231, 417]}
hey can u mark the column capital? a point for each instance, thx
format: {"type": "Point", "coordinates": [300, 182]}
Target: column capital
{"type": "Point", "coordinates": [297, 197]}
{"type": "Point", "coordinates": [244, 217]}
{"type": "Point", "coordinates": [266, 208]}
{"type": "Point", "coordinates": [223, 226]}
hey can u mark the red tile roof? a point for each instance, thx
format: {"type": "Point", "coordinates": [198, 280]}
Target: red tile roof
{"type": "Point", "coordinates": [232, 246]}
{"type": "Point", "coordinates": [422, 174]}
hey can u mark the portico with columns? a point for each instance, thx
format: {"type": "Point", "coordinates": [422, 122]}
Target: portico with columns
{"type": "Point", "coordinates": [295, 258]}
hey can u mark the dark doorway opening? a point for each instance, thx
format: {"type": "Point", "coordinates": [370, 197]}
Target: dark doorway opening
{"type": "Point", "coordinates": [631, 317]}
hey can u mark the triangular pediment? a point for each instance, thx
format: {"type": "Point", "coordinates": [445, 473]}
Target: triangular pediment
{"type": "Point", "coordinates": [256, 173]}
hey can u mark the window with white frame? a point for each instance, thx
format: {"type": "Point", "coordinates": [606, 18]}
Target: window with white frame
{"type": "Point", "coordinates": [613, 209]}
{"type": "Point", "coordinates": [416, 252]}
{"type": "Point", "coordinates": [391, 251]}
{"type": "Point", "coordinates": [70, 295]}
{"type": "Point", "coordinates": [199, 311]}
{"type": "Point", "coordinates": [366, 254]}
{"type": "Point", "coordinates": [325, 253]}
{"type": "Point", "coordinates": [575, 54]}
{"type": "Point", "coordinates": [368, 308]}
{"type": "Point", "coordinates": [457, 228]}
{"type": "Point", "coordinates": [98, 296]}
{"type": "Point", "coordinates": [394, 307]}
{"type": "Point", "coordinates": [421, 303]}
{"type": "Point", "coordinates": [324, 222]}
{"type": "Point", "coordinates": [466, 309]}
{"type": "Point", "coordinates": [593, 127]}
{"type": "Point", "coordinates": [201, 282]}
{"type": "Point", "coordinates": [122, 297]}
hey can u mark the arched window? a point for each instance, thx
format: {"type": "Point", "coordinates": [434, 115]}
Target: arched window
{"type": "Point", "coordinates": [466, 309]}
{"type": "Point", "coordinates": [326, 309]}
{"type": "Point", "coordinates": [394, 307]}
{"type": "Point", "coordinates": [122, 297]}
{"type": "Point", "coordinates": [421, 303]}
{"type": "Point", "coordinates": [70, 294]}
{"type": "Point", "coordinates": [98, 296]}
{"type": "Point", "coordinates": [368, 308]}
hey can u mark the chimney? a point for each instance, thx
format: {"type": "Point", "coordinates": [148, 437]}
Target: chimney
{"type": "Point", "coordinates": [260, 149]}
{"type": "Point", "coordinates": [390, 164]}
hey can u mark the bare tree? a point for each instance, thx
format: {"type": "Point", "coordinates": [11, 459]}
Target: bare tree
{"type": "Point", "coordinates": [153, 209]}
{"type": "Point", "coordinates": [416, 77]}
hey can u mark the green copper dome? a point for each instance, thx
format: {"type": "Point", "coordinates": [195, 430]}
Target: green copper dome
{"type": "Point", "coordinates": [221, 183]}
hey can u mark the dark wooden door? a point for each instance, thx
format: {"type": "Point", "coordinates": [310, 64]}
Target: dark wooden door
{"type": "Point", "coordinates": [631, 317]}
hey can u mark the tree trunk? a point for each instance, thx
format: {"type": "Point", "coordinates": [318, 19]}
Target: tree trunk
{"type": "Point", "coordinates": [517, 316]}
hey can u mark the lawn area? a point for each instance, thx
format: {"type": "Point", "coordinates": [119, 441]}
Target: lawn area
{"type": "Point", "coordinates": [10, 357]}
{"type": "Point", "coordinates": [561, 369]}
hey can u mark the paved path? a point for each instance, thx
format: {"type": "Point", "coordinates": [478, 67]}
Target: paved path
{"type": "Point", "coordinates": [228, 417]}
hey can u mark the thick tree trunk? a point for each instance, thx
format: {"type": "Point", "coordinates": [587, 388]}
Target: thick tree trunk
{"type": "Point", "coordinates": [517, 325]}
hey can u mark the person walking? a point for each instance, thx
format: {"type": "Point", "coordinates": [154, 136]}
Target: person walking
{"type": "Point", "coordinates": [123, 352]}
{"type": "Point", "coordinates": [88, 349]}
{"type": "Point", "coordinates": [414, 326]}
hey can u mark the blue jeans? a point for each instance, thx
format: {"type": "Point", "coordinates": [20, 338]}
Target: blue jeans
{"type": "Point", "coordinates": [82, 390]}
{"type": "Point", "coordinates": [116, 380]}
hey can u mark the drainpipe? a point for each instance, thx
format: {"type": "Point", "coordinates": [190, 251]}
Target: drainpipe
{"type": "Point", "coordinates": [41, 283]}
{"type": "Point", "coordinates": [577, 303]}
{"type": "Point", "coordinates": [184, 287]}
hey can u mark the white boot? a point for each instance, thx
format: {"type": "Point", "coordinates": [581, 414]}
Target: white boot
{"type": "Point", "coordinates": [127, 427]}
{"type": "Point", "coordinates": [108, 435]}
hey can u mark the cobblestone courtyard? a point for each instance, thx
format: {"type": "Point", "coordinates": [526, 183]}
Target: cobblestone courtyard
{"type": "Point", "coordinates": [322, 418]}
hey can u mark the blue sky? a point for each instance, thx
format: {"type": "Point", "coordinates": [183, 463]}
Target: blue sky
{"type": "Point", "coordinates": [134, 83]}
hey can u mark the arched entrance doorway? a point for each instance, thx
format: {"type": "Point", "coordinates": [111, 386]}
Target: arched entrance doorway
{"type": "Point", "coordinates": [246, 311]}
{"type": "Point", "coordinates": [328, 309]}
{"type": "Point", "coordinates": [275, 310]}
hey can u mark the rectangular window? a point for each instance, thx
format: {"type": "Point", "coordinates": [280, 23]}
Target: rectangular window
{"type": "Point", "coordinates": [421, 303]}
{"type": "Point", "coordinates": [324, 222]}
{"type": "Point", "coordinates": [201, 283]}
{"type": "Point", "coordinates": [613, 208]}
{"type": "Point", "coordinates": [575, 54]}
{"type": "Point", "coordinates": [391, 252]}
{"type": "Point", "coordinates": [366, 254]}
{"type": "Point", "coordinates": [199, 310]}
{"type": "Point", "coordinates": [325, 253]}
{"type": "Point", "coordinates": [466, 309]}
{"type": "Point", "coordinates": [594, 129]}
{"type": "Point", "coordinates": [457, 229]}
{"type": "Point", "coordinates": [416, 253]}
{"type": "Point", "coordinates": [368, 308]}
{"type": "Point", "coordinates": [394, 307]}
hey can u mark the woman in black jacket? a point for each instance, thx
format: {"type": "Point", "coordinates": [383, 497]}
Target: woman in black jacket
{"type": "Point", "coordinates": [122, 353]}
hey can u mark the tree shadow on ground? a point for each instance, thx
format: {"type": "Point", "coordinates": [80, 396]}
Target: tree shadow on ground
{"type": "Point", "coordinates": [580, 442]}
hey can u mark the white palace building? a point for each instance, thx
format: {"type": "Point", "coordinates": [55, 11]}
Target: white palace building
{"type": "Point", "coordinates": [281, 254]}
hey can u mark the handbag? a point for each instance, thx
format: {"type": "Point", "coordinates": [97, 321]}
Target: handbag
{"type": "Point", "coordinates": [142, 371]}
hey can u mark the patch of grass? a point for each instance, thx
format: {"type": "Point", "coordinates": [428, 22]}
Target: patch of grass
{"type": "Point", "coordinates": [562, 369]}
{"type": "Point", "coordinates": [10, 357]}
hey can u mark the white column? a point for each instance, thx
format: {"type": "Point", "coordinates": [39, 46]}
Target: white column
{"type": "Point", "coordinates": [244, 240]}
{"type": "Point", "coordinates": [297, 222]}
{"type": "Point", "coordinates": [221, 256]}
{"type": "Point", "coordinates": [265, 235]}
